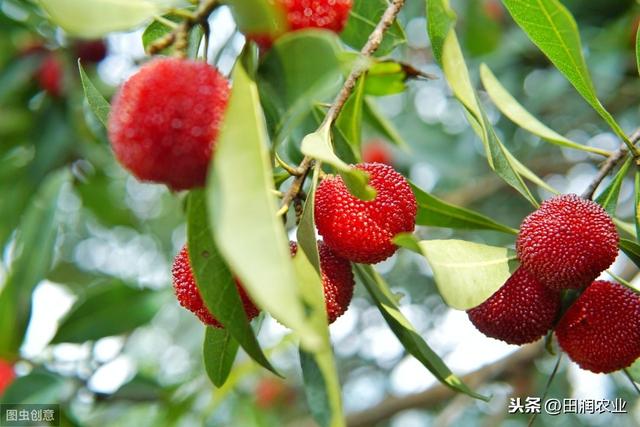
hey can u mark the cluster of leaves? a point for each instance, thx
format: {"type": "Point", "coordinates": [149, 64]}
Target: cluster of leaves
{"type": "Point", "coordinates": [232, 220]}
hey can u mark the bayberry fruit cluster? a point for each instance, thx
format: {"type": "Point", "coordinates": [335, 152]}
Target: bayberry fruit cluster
{"type": "Point", "coordinates": [565, 245]}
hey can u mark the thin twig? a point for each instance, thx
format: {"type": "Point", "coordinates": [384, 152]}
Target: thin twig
{"type": "Point", "coordinates": [609, 165]}
{"type": "Point", "coordinates": [179, 35]}
{"type": "Point", "coordinates": [361, 66]}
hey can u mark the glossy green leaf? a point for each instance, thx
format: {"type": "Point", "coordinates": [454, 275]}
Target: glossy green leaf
{"type": "Point", "coordinates": [108, 309]}
{"type": "Point", "coordinates": [385, 78]}
{"type": "Point", "coordinates": [242, 206]}
{"type": "Point", "coordinates": [38, 387]}
{"type": "Point", "coordinates": [219, 351]}
{"type": "Point", "coordinates": [407, 334]}
{"type": "Point", "coordinates": [364, 16]}
{"type": "Point", "coordinates": [306, 233]}
{"type": "Point", "coordinates": [631, 249]}
{"type": "Point", "coordinates": [435, 212]}
{"type": "Point", "coordinates": [98, 104]}
{"type": "Point", "coordinates": [216, 283]}
{"type": "Point", "coordinates": [322, 385]}
{"type": "Point", "coordinates": [551, 27]}
{"type": "Point", "coordinates": [33, 255]}
{"type": "Point", "coordinates": [374, 118]}
{"type": "Point", "coordinates": [510, 107]}
{"type": "Point", "coordinates": [608, 199]}
{"type": "Point", "coordinates": [294, 87]}
{"type": "Point", "coordinates": [96, 18]}
{"type": "Point", "coordinates": [349, 121]}
{"type": "Point", "coordinates": [467, 273]}
{"type": "Point", "coordinates": [318, 145]}
{"type": "Point", "coordinates": [157, 29]}
{"type": "Point", "coordinates": [257, 17]}
{"type": "Point", "coordinates": [447, 49]}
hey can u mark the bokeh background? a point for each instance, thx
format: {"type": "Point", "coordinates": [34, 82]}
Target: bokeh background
{"type": "Point", "coordinates": [116, 232]}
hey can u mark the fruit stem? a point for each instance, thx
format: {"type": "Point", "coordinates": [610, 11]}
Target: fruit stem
{"type": "Point", "coordinates": [611, 162]}
{"type": "Point", "coordinates": [360, 67]}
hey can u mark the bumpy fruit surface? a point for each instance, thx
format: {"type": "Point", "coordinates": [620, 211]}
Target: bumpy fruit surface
{"type": "Point", "coordinates": [601, 330]}
{"type": "Point", "coordinates": [51, 75]}
{"type": "Point", "coordinates": [165, 120]}
{"type": "Point", "coordinates": [7, 375]}
{"type": "Point", "coordinates": [189, 296]}
{"type": "Point", "coordinates": [361, 231]}
{"type": "Point", "coordinates": [521, 311]}
{"type": "Point", "coordinates": [337, 280]}
{"type": "Point", "coordinates": [567, 242]}
{"type": "Point", "coordinates": [330, 15]}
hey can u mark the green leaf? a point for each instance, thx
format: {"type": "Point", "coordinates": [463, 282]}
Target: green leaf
{"type": "Point", "coordinates": [350, 119]}
{"type": "Point", "coordinates": [315, 389]}
{"type": "Point", "coordinates": [215, 282]}
{"type": "Point", "coordinates": [306, 233]}
{"type": "Point", "coordinates": [318, 145]}
{"type": "Point", "coordinates": [637, 202]}
{"type": "Point", "coordinates": [447, 50]}
{"type": "Point", "coordinates": [319, 369]}
{"type": "Point", "coordinates": [510, 107]}
{"type": "Point", "coordinates": [374, 118]}
{"type": "Point", "coordinates": [38, 387]}
{"type": "Point", "coordinates": [34, 247]}
{"type": "Point", "coordinates": [435, 212]}
{"type": "Point", "coordinates": [551, 27]}
{"type": "Point", "coordinates": [385, 78]}
{"type": "Point", "coordinates": [98, 104]}
{"type": "Point", "coordinates": [257, 17]}
{"type": "Point", "coordinates": [157, 29]}
{"type": "Point", "coordinates": [406, 333]}
{"type": "Point", "coordinates": [631, 249]}
{"type": "Point", "coordinates": [219, 352]}
{"type": "Point", "coordinates": [608, 199]}
{"type": "Point", "coordinates": [108, 309]}
{"type": "Point", "coordinates": [96, 18]}
{"type": "Point", "coordinates": [467, 273]}
{"type": "Point", "coordinates": [242, 206]}
{"type": "Point", "coordinates": [634, 371]}
{"type": "Point", "coordinates": [364, 16]}
{"type": "Point", "coordinates": [295, 86]}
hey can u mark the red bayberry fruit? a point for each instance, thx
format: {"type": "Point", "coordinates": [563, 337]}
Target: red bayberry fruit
{"type": "Point", "coordinates": [165, 120]}
{"type": "Point", "coordinates": [50, 75]}
{"type": "Point", "coordinates": [361, 231]}
{"type": "Point", "coordinates": [91, 50]}
{"type": "Point", "coordinates": [189, 296]}
{"type": "Point", "coordinates": [337, 280]}
{"type": "Point", "coordinates": [330, 15]}
{"type": "Point", "coordinates": [521, 311]}
{"type": "Point", "coordinates": [567, 242]}
{"type": "Point", "coordinates": [7, 375]}
{"type": "Point", "coordinates": [601, 330]}
{"type": "Point", "coordinates": [377, 152]}
{"type": "Point", "coordinates": [271, 392]}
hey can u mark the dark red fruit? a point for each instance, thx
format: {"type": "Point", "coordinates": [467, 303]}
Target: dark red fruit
{"type": "Point", "coordinates": [567, 242]}
{"type": "Point", "coordinates": [7, 375]}
{"type": "Point", "coordinates": [377, 152]}
{"type": "Point", "coordinates": [91, 50]}
{"type": "Point", "coordinates": [337, 280]}
{"type": "Point", "coordinates": [165, 120]}
{"type": "Point", "coordinates": [189, 296]}
{"type": "Point", "coordinates": [601, 330]}
{"type": "Point", "coordinates": [51, 75]}
{"type": "Point", "coordinates": [521, 311]}
{"type": "Point", "coordinates": [362, 231]}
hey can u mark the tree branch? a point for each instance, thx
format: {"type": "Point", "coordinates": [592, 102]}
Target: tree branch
{"type": "Point", "coordinates": [361, 66]}
{"type": "Point", "coordinates": [179, 35]}
{"type": "Point", "coordinates": [609, 165]}
{"type": "Point", "coordinates": [437, 394]}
